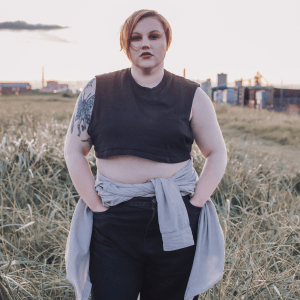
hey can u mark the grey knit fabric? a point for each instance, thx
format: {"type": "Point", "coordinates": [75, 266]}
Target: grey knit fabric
{"type": "Point", "coordinates": [208, 265]}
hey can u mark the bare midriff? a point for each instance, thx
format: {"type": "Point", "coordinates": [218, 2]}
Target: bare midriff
{"type": "Point", "coordinates": [133, 169]}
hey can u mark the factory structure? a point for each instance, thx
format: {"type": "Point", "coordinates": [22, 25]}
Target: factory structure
{"type": "Point", "coordinates": [55, 87]}
{"type": "Point", "coordinates": [257, 96]}
{"type": "Point", "coordinates": [23, 87]}
{"type": "Point", "coordinates": [15, 88]}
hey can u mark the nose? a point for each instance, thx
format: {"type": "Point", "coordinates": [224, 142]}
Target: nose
{"type": "Point", "coordinates": [145, 43]}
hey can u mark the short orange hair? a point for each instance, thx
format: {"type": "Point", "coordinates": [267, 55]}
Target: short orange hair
{"type": "Point", "coordinates": [130, 23]}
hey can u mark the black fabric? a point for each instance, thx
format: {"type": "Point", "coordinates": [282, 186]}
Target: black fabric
{"type": "Point", "coordinates": [127, 256]}
{"type": "Point", "coordinates": [152, 123]}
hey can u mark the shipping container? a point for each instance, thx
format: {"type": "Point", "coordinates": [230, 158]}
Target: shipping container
{"type": "Point", "coordinates": [262, 98]}
{"type": "Point", "coordinates": [218, 96]}
{"type": "Point", "coordinates": [228, 96]}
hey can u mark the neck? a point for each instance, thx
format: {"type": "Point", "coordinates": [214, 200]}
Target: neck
{"type": "Point", "coordinates": [148, 77]}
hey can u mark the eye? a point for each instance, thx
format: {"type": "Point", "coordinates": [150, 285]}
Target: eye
{"type": "Point", "coordinates": [152, 36]}
{"type": "Point", "coordinates": [135, 38]}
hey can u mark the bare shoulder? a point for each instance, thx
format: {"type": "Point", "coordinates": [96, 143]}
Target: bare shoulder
{"type": "Point", "coordinates": [83, 108]}
{"type": "Point", "coordinates": [201, 101]}
{"type": "Point", "coordinates": [77, 137]}
{"type": "Point", "coordinates": [204, 124]}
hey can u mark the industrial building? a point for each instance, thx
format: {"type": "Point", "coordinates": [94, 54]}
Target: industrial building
{"type": "Point", "coordinates": [257, 96]}
{"type": "Point", "coordinates": [55, 87]}
{"type": "Point", "coordinates": [206, 85]}
{"type": "Point", "coordinates": [14, 88]}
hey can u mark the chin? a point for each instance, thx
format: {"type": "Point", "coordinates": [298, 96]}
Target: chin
{"type": "Point", "coordinates": [146, 64]}
{"type": "Point", "coordinates": [143, 66]}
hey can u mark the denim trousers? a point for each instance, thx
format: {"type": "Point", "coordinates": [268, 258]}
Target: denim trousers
{"type": "Point", "coordinates": [127, 259]}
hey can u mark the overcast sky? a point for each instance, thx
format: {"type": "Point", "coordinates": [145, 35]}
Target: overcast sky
{"type": "Point", "coordinates": [76, 40]}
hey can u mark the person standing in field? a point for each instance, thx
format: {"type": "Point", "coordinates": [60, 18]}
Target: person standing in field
{"type": "Point", "coordinates": [142, 218]}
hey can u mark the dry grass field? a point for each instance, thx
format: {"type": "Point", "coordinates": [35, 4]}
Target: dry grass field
{"type": "Point", "coordinates": [257, 200]}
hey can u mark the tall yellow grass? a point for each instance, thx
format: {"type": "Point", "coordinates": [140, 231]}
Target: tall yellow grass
{"type": "Point", "coordinates": [257, 202]}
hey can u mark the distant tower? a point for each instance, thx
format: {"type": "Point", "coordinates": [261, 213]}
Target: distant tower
{"type": "Point", "coordinates": [222, 80]}
{"type": "Point", "coordinates": [42, 77]}
{"type": "Point", "coordinates": [205, 85]}
{"type": "Point", "coordinates": [184, 72]}
{"type": "Point", "coordinates": [239, 83]}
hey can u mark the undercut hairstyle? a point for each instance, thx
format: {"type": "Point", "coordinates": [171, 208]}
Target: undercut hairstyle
{"type": "Point", "coordinates": [130, 23]}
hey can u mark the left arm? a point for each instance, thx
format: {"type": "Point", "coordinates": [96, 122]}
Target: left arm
{"type": "Point", "coordinates": [209, 139]}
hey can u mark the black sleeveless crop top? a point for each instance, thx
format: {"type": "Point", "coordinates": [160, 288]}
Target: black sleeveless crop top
{"type": "Point", "coordinates": [152, 123]}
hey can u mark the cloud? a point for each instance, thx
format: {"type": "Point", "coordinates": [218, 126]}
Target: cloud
{"type": "Point", "coordinates": [21, 25]}
{"type": "Point", "coordinates": [41, 29]}
{"type": "Point", "coordinates": [52, 38]}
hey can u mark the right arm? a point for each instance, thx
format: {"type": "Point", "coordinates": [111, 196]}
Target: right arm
{"type": "Point", "coordinates": [78, 145]}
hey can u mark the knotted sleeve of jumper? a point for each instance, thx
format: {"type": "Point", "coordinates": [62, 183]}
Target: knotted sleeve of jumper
{"type": "Point", "coordinates": [77, 254]}
{"type": "Point", "coordinates": [209, 259]}
{"type": "Point", "coordinates": [172, 214]}
{"type": "Point", "coordinates": [173, 223]}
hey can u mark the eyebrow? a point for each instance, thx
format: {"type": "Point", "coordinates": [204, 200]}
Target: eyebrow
{"type": "Point", "coordinates": [149, 32]}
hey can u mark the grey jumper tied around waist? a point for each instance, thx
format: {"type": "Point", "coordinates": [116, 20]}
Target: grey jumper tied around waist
{"type": "Point", "coordinates": [208, 265]}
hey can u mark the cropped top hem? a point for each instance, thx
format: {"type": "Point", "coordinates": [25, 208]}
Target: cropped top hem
{"type": "Point", "coordinates": [150, 156]}
{"type": "Point", "coordinates": [151, 123]}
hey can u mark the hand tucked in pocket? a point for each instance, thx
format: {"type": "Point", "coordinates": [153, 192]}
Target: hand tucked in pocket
{"type": "Point", "coordinates": [99, 208]}
{"type": "Point", "coordinates": [196, 202]}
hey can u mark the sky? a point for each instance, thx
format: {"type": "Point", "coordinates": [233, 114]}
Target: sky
{"type": "Point", "coordinates": [76, 40]}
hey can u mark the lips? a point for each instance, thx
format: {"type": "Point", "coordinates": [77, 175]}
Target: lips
{"type": "Point", "coordinates": [146, 53]}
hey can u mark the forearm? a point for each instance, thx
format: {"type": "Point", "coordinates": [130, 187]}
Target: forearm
{"type": "Point", "coordinates": [212, 173]}
{"type": "Point", "coordinates": [83, 179]}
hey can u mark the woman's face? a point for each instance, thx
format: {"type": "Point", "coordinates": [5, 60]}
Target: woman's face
{"type": "Point", "coordinates": [148, 36]}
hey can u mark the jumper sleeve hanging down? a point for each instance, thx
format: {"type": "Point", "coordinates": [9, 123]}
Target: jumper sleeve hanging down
{"type": "Point", "coordinates": [208, 265]}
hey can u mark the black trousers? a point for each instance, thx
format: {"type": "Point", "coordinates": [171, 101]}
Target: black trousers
{"type": "Point", "coordinates": [127, 256]}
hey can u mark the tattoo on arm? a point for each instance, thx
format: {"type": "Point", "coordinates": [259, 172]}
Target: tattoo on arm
{"type": "Point", "coordinates": [84, 108]}
{"type": "Point", "coordinates": [90, 83]}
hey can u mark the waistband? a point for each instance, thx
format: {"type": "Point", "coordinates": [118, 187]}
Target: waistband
{"type": "Point", "coordinates": [148, 201]}
{"type": "Point", "coordinates": [172, 213]}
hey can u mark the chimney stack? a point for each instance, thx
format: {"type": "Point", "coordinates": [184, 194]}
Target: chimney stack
{"type": "Point", "coordinates": [42, 77]}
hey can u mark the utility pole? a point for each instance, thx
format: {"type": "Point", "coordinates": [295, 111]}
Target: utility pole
{"type": "Point", "coordinates": [184, 72]}
{"type": "Point", "coordinates": [42, 77]}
